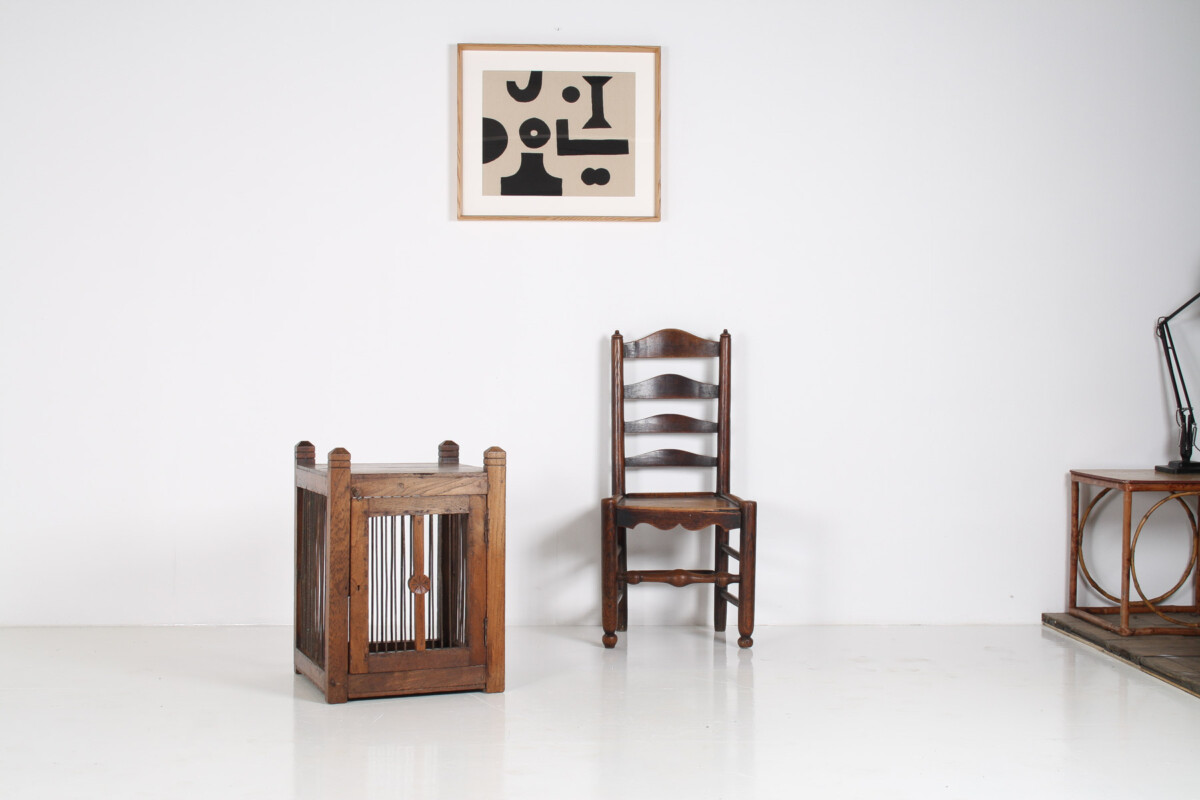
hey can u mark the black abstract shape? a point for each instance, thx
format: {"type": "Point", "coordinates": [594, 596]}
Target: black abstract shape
{"type": "Point", "coordinates": [570, 94]}
{"type": "Point", "coordinates": [531, 90]}
{"type": "Point", "coordinates": [595, 177]}
{"type": "Point", "coordinates": [531, 179]}
{"type": "Point", "coordinates": [495, 140]}
{"type": "Point", "coordinates": [534, 132]}
{"type": "Point", "coordinates": [597, 83]}
{"type": "Point", "coordinates": [587, 147]}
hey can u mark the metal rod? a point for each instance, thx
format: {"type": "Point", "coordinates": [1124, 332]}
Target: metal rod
{"type": "Point", "coordinates": [1175, 313]}
{"type": "Point", "coordinates": [1183, 405]}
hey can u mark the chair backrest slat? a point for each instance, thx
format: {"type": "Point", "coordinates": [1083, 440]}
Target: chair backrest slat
{"type": "Point", "coordinates": [670, 387]}
{"type": "Point", "coordinates": [670, 458]}
{"type": "Point", "coordinates": [672, 343]}
{"type": "Point", "coordinates": [670, 423]}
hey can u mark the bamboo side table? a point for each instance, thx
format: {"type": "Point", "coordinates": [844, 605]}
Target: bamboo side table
{"type": "Point", "coordinates": [1179, 488]}
{"type": "Point", "coordinates": [399, 575]}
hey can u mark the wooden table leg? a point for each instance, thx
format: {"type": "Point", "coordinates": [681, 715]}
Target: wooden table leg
{"type": "Point", "coordinates": [1076, 535]}
{"type": "Point", "coordinates": [1196, 568]}
{"type": "Point", "coordinates": [1126, 516]}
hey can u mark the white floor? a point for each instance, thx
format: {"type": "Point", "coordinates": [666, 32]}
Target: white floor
{"type": "Point", "coordinates": [812, 712]}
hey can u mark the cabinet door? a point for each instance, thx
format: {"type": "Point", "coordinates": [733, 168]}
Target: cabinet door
{"type": "Point", "coordinates": [417, 591]}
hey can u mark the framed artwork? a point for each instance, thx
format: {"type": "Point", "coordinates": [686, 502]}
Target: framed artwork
{"type": "Point", "coordinates": [558, 132]}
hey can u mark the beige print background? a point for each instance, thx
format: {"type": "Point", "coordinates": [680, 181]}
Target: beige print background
{"type": "Point", "coordinates": [549, 107]}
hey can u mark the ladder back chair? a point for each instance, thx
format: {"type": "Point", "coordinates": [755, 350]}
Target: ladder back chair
{"type": "Point", "coordinates": [666, 510]}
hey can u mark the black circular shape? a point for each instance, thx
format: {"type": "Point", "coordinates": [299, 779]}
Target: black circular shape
{"type": "Point", "coordinates": [595, 177]}
{"type": "Point", "coordinates": [534, 132]}
{"type": "Point", "coordinates": [495, 140]}
{"type": "Point", "coordinates": [570, 94]}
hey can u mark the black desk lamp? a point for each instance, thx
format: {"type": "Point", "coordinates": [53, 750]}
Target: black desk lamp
{"type": "Point", "coordinates": [1183, 403]}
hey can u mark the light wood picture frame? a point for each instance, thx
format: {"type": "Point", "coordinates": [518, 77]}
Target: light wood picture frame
{"type": "Point", "coordinates": [559, 132]}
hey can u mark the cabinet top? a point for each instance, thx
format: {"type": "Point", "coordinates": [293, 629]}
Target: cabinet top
{"type": "Point", "coordinates": [398, 469]}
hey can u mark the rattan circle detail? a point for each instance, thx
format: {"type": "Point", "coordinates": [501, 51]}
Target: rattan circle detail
{"type": "Point", "coordinates": [1191, 562]}
{"type": "Point", "coordinates": [1133, 548]}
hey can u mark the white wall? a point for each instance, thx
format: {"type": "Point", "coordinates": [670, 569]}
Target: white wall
{"type": "Point", "coordinates": [939, 231]}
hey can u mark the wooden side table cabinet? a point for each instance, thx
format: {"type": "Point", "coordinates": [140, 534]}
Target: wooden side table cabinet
{"type": "Point", "coordinates": [1157, 614]}
{"type": "Point", "coordinates": [399, 575]}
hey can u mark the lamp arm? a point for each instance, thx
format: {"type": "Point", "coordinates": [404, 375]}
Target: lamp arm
{"type": "Point", "coordinates": [1175, 313]}
{"type": "Point", "coordinates": [1183, 401]}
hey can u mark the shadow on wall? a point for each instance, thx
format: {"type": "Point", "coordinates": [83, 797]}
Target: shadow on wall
{"type": "Point", "coordinates": [570, 556]}
{"type": "Point", "coordinates": [571, 559]}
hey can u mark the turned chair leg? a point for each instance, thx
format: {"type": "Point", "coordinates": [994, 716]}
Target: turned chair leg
{"type": "Point", "coordinates": [608, 571]}
{"type": "Point", "coordinates": [721, 535]}
{"type": "Point", "coordinates": [622, 589]}
{"type": "Point", "coordinates": [746, 587]}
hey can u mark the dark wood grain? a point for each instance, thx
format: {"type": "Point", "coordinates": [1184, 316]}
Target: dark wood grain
{"type": "Point", "coordinates": [670, 423]}
{"type": "Point", "coordinates": [618, 416]}
{"type": "Point", "coordinates": [747, 557]}
{"type": "Point", "coordinates": [608, 571]}
{"type": "Point", "coordinates": [680, 577]}
{"type": "Point", "coordinates": [691, 511]}
{"type": "Point", "coordinates": [670, 458]}
{"type": "Point", "coordinates": [671, 343]}
{"type": "Point", "coordinates": [720, 564]}
{"type": "Point", "coordinates": [670, 387]}
{"type": "Point", "coordinates": [309, 543]}
{"type": "Point", "coordinates": [723, 415]}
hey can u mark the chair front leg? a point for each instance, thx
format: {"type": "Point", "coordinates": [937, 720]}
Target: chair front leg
{"type": "Point", "coordinates": [721, 564]}
{"type": "Point", "coordinates": [746, 585]}
{"type": "Point", "coordinates": [622, 586]}
{"type": "Point", "coordinates": [608, 571]}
